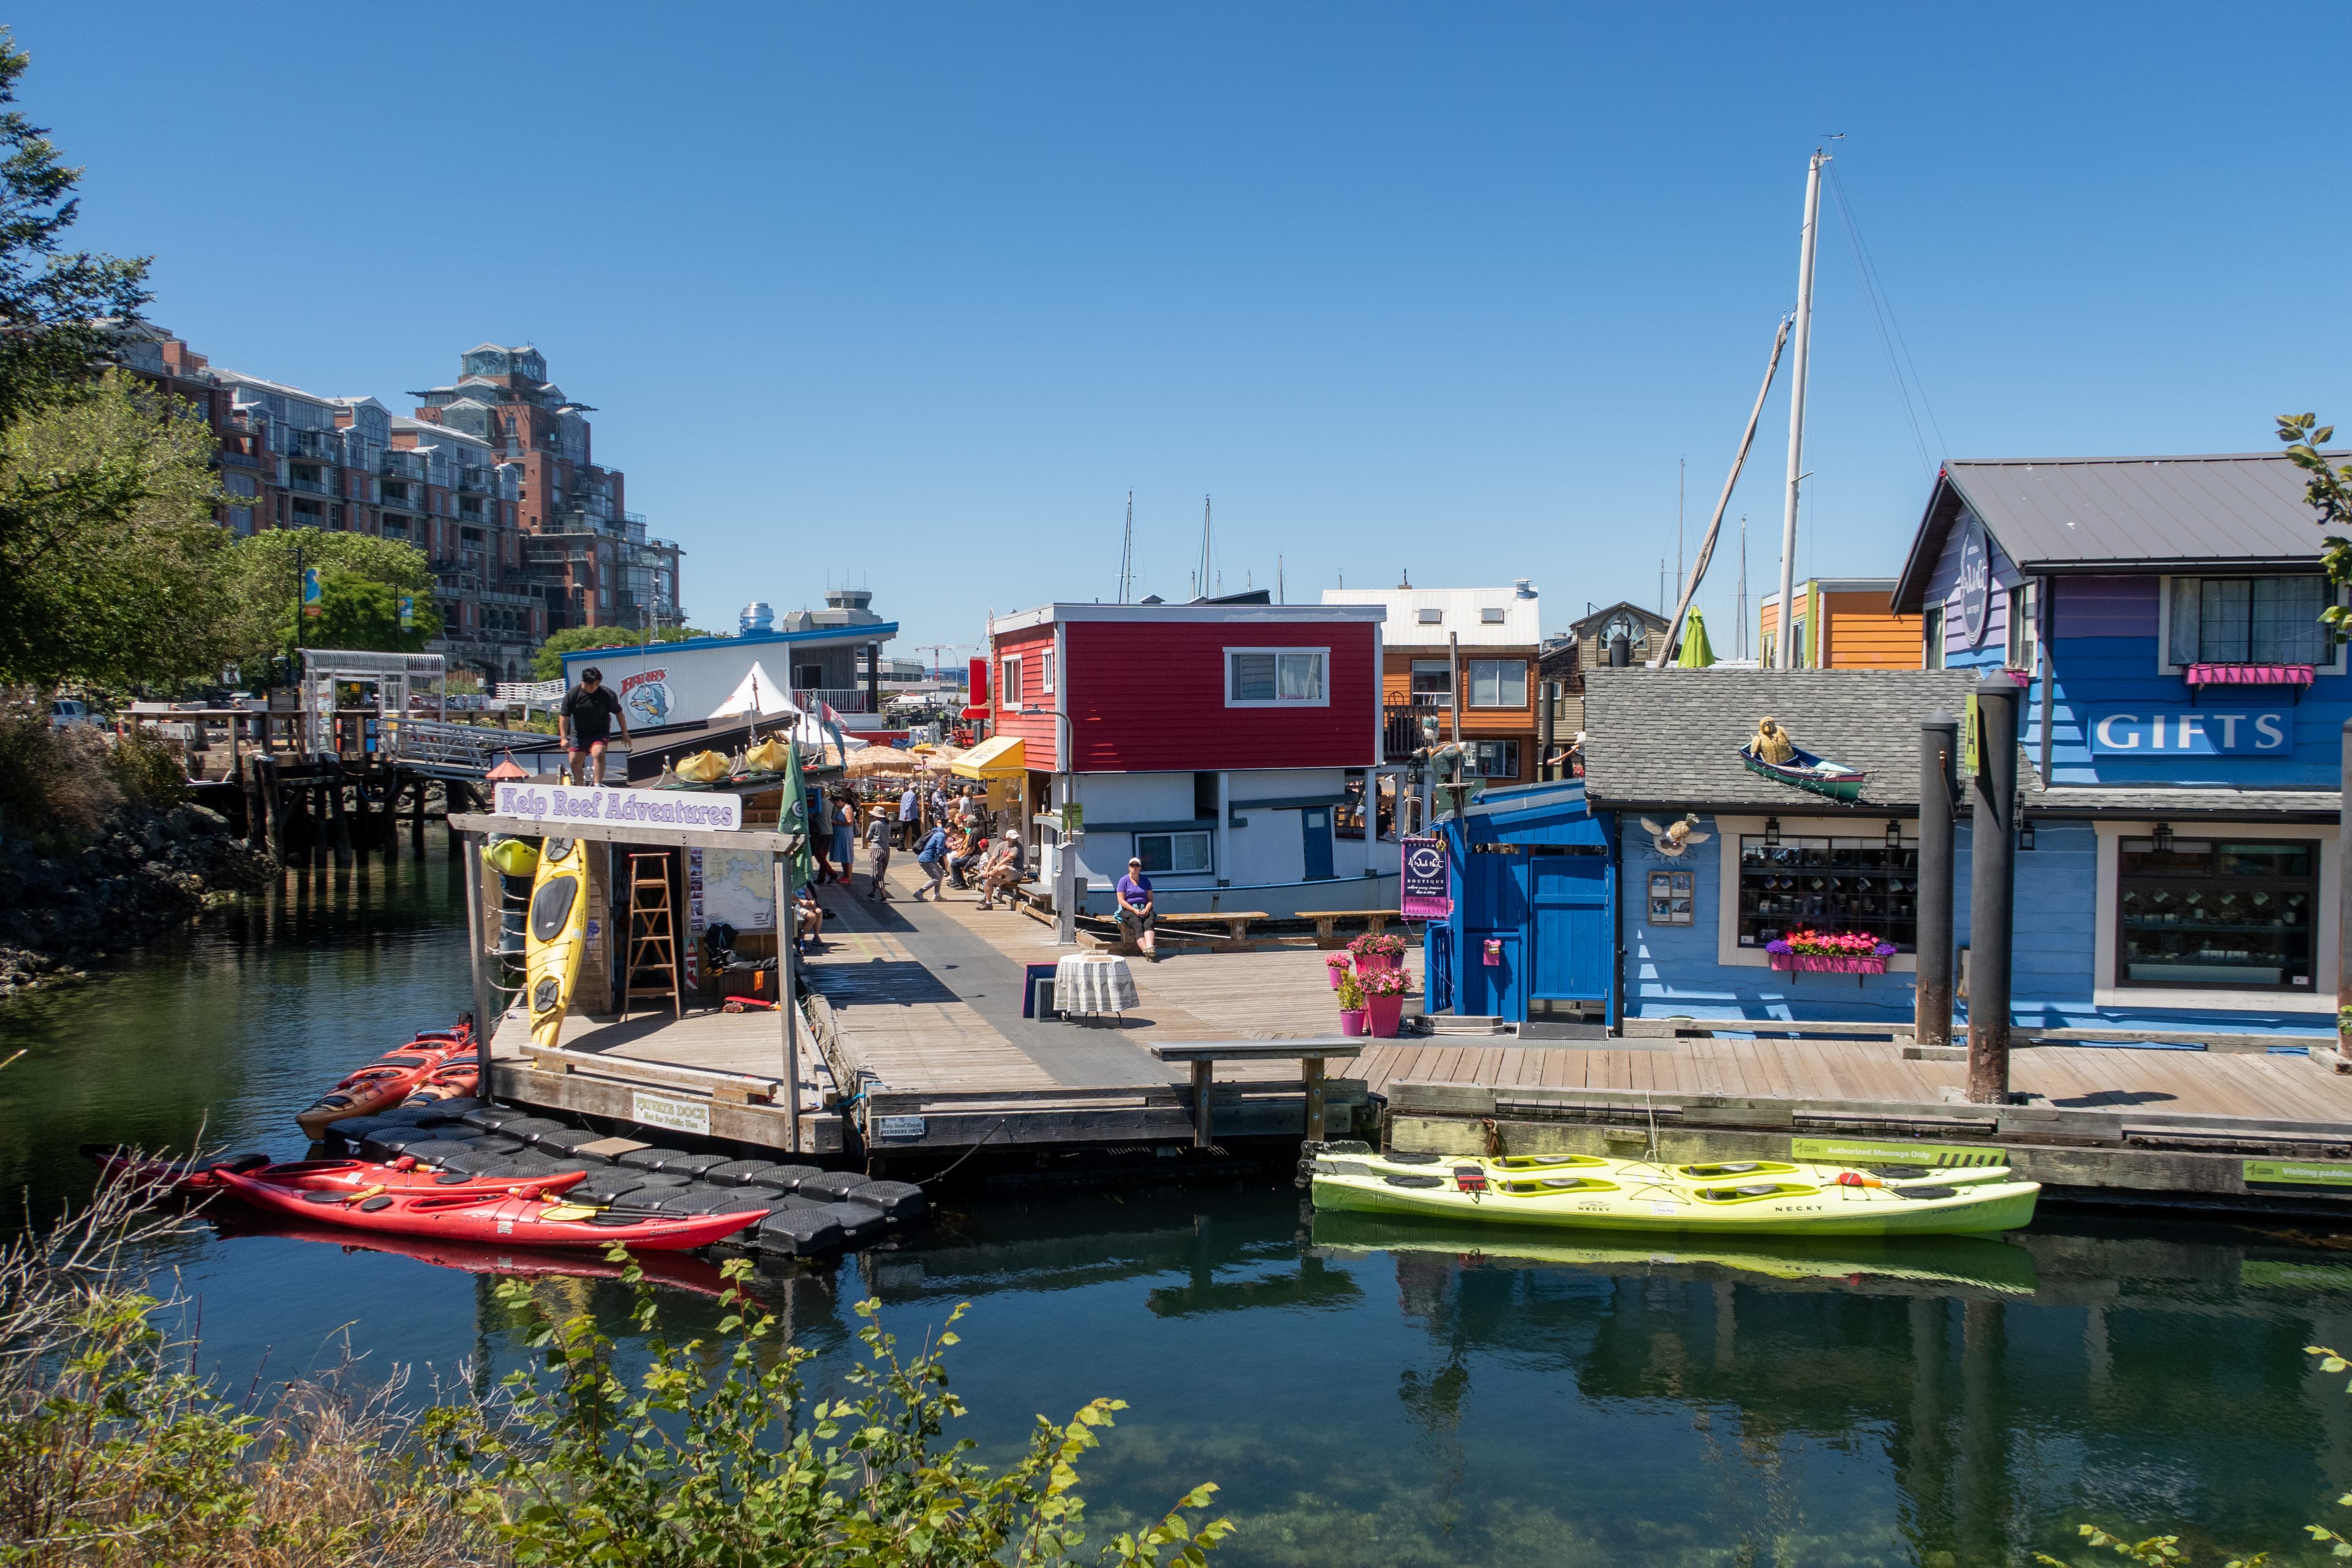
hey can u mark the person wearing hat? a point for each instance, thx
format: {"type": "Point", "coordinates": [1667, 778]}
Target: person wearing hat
{"type": "Point", "coordinates": [584, 721]}
{"type": "Point", "coordinates": [1135, 911]}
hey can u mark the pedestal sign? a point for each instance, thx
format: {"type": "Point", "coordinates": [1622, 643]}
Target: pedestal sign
{"type": "Point", "coordinates": [1427, 895]}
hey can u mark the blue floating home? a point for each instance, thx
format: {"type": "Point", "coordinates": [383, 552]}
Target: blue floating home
{"type": "Point", "coordinates": [2181, 729]}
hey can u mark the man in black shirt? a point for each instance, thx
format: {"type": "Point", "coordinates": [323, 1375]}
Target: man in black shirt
{"type": "Point", "coordinates": [585, 721]}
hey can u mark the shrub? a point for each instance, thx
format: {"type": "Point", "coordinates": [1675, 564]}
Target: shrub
{"type": "Point", "coordinates": [1352, 994]}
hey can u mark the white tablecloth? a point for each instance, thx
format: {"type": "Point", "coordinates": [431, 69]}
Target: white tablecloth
{"type": "Point", "coordinates": [1085, 983]}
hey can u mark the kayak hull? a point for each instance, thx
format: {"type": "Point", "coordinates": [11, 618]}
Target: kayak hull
{"type": "Point", "coordinates": [555, 936]}
{"type": "Point", "coordinates": [496, 1218]}
{"type": "Point", "coordinates": [388, 1080]}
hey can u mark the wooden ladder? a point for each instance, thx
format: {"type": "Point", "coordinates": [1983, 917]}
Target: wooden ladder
{"type": "Point", "coordinates": [653, 935]}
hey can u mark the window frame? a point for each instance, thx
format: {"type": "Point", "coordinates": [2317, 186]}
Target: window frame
{"type": "Point", "coordinates": [2164, 619]}
{"type": "Point", "coordinates": [2022, 641]}
{"type": "Point", "coordinates": [1508, 745]}
{"type": "Point", "coordinates": [2118, 960]}
{"type": "Point", "coordinates": [1323, 681]}
{"type": "Point", "coordinates": [1045, 671]}
{"type": "Point", "coordinates": [1008, 682]}
{"type": "Point", "coordinates": [1208, 837]}
{"type": "Point", "coordinates": [1931, 638]}
{"type": "Point", "coordinates": [1498, 665]}
{"type": "Point", "coordinates": [2317, 1000]}
{"type": "Point", "coordinates": [1728, 831]}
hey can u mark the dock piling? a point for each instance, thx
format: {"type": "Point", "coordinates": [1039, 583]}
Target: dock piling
{"type": "Point", "coordinates": [1932, 998]}
{"type": "Point", "coordinates": [1992, 886]}
{"type": "Point", "coordinates": [470, 847]}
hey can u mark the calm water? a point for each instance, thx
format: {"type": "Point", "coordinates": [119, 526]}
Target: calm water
{"type": "Point", "coordinates": [1364, 1394]}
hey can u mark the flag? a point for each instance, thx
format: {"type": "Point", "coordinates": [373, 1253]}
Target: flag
{"type": "Point", "coordinates": [792, 817]}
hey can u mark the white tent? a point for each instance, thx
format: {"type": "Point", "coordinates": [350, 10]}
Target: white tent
{"type": "Point", "coordinates": [759, 695]}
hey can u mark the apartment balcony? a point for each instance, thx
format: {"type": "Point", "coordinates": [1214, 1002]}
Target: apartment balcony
{"type": "Point", "coordinates": [239, 460]}
{"type": "Point", "coordinates": [309, 487]}
{"type": "Point", "coordinates": [1401, 729]}
{"type": "Point", "coordinates": [635, 517]}
{"type": "Point", "coordinates": [314, 446]}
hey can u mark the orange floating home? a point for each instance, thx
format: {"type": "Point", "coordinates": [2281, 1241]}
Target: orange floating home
{"type": "Point", "coordinates": [1844, 622]}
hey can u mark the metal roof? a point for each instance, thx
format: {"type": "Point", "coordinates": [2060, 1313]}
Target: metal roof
{"type": "Point", "coordinates": [1461, 612]}
{"type": "Point", "coordinates": [2229, 510]}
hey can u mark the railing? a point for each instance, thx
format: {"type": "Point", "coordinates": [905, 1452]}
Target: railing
{"type": "Point", "coordinates": [449, 750]}
{"type": "Point", "coordinates": [1401, 732]}
{"type": "Point", "coordinates": [403, 465]}
{"type": "Point", "coordinates": [309, 487]}
{"type": "Point", "coordinates": [315, 445]}
{"type": "Point", "coordinates": [840, 698]}
{"type": "Point", "coordinates": [242, 459]}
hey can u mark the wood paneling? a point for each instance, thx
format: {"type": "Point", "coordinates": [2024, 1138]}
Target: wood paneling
{"type": "Point", "coordinates": [1147, 696]}
{"type": "Point", "coordinates": [1862, 633]}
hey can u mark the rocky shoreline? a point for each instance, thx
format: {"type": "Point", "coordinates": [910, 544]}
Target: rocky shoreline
{"type": "Point", "coordinates": [146, 873]}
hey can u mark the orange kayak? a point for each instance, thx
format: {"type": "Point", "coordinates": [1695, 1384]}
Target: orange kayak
{"type": "Point", "coordinates": [454, 1079]}
{"type": "Point", "coordinates": [497, 1217]}
{"type": "Point", "coordinates": [389, 1079]}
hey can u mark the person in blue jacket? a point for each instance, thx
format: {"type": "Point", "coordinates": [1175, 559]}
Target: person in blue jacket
{"type": "Point", "coordinates": [931, 855]}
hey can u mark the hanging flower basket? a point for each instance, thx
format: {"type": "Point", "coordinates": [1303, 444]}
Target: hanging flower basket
{"type": "Point", "coordinates": [1829, 953]}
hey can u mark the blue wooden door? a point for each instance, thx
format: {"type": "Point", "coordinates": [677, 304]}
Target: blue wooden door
{"type": "Point", "coordinates": [1495, 888]}
{"type": "Point", "coordinates": [1572, 928]}
{"type": "Point", "coordinates": [1315, 824]}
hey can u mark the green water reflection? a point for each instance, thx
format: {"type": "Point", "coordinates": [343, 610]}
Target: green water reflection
{"type": "Point", "coordinates": [1365, 1391]}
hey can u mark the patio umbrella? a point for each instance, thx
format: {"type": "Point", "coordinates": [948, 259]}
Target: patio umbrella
{"type": "Point", "coordinates": [1696, 652]}
{"type": "Point", "coordinates": [868, 759]}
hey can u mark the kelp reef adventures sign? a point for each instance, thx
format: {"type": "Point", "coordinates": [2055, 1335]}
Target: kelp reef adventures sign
{"type": "Point", "coordinates": [602, 803]}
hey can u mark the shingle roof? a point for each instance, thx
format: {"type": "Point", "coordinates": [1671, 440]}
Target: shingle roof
{"type": "Point", "coordinates": [1670, 737]}
{"type": "Point", "coordinates": [2090, 513]}
{"type": "Point", "coordinates": [2187, 803]}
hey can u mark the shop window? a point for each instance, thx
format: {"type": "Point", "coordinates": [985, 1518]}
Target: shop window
{"type": "Point", "coordinates": [2216, 913]}
{"type": "Point", "coordinates": [1174, 853]}
{"type": "Point", "coordinates": [1829, 885]}
{"type": "Point", "coordinates": [1494, 759]}
{"type": "Point", "coordinates": [1499, 683]}
{"type": "Point", "coordinates": [1274, 677]}
{"type": "Point", "coordinates": [2246, 620]}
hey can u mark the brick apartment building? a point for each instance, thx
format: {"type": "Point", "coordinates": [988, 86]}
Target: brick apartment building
{"type": "Point", "coordinates": [491, 480]}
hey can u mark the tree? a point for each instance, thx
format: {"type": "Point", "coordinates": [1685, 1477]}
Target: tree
{"type": "Point", "coordinates": [548, 663]}
{"type": "Point", "coordinates": [2330, 495]}
{"type": "Point", "coordinates": [108, 555]}
{"type": "Point", "coordinates": [360, 578]}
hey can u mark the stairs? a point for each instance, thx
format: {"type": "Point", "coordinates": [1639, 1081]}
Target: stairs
{"type": "Point", "coordinates": [653, 936]}
{"type": "Point", "coordinates": [1449, 1025]}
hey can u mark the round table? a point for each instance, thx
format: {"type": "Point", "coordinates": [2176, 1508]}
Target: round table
{"type": "Point", "coordinates": [1089, 983]}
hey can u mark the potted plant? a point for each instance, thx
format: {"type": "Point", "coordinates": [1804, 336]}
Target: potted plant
{"type": "Point", "coordinates": [1384, 992]}
{"type": "Point", "coordinates": [1831, 952]}
{"type": "Point", "coordinates": [1337, 965]}
{"type": "Point", "coordinates": [1351, 1006]}
{"type": "Point", "coordinates": [1374, 954]}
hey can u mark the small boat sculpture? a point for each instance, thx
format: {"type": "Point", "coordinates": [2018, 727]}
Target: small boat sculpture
{"type": "Point", "coordinates": [1755, 1198]}
{"type": "Point", "coordinates": [1770, 753]}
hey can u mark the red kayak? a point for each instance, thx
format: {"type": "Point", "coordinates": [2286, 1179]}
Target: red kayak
{"type": "Point", "coordinates": [389, 1079]}
{"type": "Point", "coordinates": [679, 1271]}
{"type": "Point", "coordinates": [508, 1218]}
{"type": "Point", "coordinates": [452, 1080]}
{"type": "Point", "coordinates": [198, 1176]}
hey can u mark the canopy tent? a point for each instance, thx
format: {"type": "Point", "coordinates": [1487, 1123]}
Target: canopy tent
{"type": "Point", "coordinates": [1697, 652]}
{"type": "Point", "coordinates": [1000, 758]}
{"type": "Point", "coordinates": [758, 694]}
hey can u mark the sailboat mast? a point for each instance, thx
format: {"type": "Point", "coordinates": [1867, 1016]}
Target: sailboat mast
{"type": "Point", "coordinates": [1784, 638]}
{"type": "Point", "coordinates": [1126, 553]}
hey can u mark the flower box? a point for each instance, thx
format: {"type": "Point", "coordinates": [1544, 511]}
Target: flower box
{"type": "Point", "coordinates": [1829, 963]}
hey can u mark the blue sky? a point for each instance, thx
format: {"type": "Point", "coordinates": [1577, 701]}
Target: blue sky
{"type": "Point", "coordinates": [914, 296]}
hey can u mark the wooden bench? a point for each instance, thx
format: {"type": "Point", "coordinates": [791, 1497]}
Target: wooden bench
{"type": "Point", "coordinates": [1204, 1055]}
{"type": "Point", "coordinates": [1235, 921]}
{"type": "Point", "coordinates": [1325, 920]}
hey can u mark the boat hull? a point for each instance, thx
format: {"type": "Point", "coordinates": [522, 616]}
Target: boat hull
{"type": "Point", "coordinates": [497, 1218]}
{"type": "Point", "coordinates": [556, 936]}
{"type": "Point", "coordinates": [1843, 785]}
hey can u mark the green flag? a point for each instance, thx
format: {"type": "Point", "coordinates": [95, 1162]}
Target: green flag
{"type": "Point", "coordinates": [1696, 652]}
{"type": "Point", "coordinates": [791, 816]}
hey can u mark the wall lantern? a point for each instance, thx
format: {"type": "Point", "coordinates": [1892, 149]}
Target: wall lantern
{"type": "Point", "coordinates": [1772, 832]}
{"type": "Point", "coordinates": [1894, 833]}
{"type": "Point", "coordinates": [2162, 838]}
{"type": "Point", "coordinates": [2024, 831]}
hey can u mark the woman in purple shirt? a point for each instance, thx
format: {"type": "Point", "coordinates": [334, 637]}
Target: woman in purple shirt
{"type": "Point", "coordinates": [1134, 891]}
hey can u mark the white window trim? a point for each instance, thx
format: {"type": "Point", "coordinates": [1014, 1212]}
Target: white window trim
{"type": "Point", "coordinates": [2164, 621]}
{"type": "Point", "coordinates": [1045, 662]}
{"type": "Point", "coordinates": [1470, 678]}
{"type": "Point", "coordinates": [1208, 832]}
{"type": "Point", "coordinates": [2321, 998]}
{"type": "Point", "coordinates": [1728, 832]}
{"type": "Point", "coordinates": [1225, 676]}
{"type": "Point", "coordinates": [1009, 685]}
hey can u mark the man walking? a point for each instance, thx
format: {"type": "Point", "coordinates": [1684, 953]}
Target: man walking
{"type": "Point", "coordinates": [910, 815]}
{"type": "Point", "coordinates": [877, 866]}
{"type": "Point", "coordinates": [931, 855]}
{"type": "Point", "coordinates": [585, 721]}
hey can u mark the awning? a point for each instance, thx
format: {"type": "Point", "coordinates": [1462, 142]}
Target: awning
{"type": "Point", "coordinates": [998, 759]}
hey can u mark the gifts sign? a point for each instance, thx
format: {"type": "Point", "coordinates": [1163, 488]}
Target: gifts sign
{"type": "Point", "coordinates": [1427, 895]}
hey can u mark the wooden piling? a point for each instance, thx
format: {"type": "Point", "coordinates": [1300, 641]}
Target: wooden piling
{"type": "Point", "coordinates": [455, 798]}
{"type": "Point", "coordinates": [416, 821]}
{"type": "Point", "coordinates": [342, 820]}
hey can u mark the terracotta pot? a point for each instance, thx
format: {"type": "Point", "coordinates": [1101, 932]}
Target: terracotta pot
{"type": "Point", "coordinates": [1351, 1023]}
{"type": "Point", "coordinates": [1387, 1015]}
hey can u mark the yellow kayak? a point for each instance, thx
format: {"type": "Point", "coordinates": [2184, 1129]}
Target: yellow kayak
{"type": "Point", "coordinates": [1979, 1262]}
{"type": "Point", "coordinates": [558, 936]}
{"type": "Point", "coordinates": [1755, 1198]}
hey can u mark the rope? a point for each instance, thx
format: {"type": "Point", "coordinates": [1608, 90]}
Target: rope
{"type": "Point", "coordinates": [967, 1154]}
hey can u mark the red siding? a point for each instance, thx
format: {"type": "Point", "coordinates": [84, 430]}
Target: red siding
{"type": "Point", "coordinates": [1035, 729]}
{"type": "Point", "coordinates": [1147, 696]}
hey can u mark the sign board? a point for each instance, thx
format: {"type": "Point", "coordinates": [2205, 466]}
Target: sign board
{"type": "Point", "coordinates": [898, 1127]}
{"type": "Point", "coordinates": [2298, 1173]}
{"type": "Point", "coordinates": [1074, 821]}
{"type": "Point", "coordinates": [408, 611]}
{"type": "Point", "coordinates": [1971, 739]}
{"type": "Point", "coordinates": [2158, 730]}
{"type": "Point", "coordinates": [1975, 585]}
{"type": "Point", "coordinates": [646, 695]}
{"type": "Point", "coordinates": [1872, 1152]}
{"type": "Point", "coordinates": [667, 1110]}
{"type": "Point", "coordinates": [558, 802]}
{"type": "Point", "coordinates": [1426, 889]}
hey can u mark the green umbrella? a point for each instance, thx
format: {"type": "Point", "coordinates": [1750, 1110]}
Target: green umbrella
{"type": "Point", "coordinates": [1694, 653]}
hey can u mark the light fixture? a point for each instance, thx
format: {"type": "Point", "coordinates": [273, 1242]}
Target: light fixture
{"type": "Point", "coordinates": [2162, 838]}
{"type": "Point", "coordinates": [2024, 832]}
{"type": "Point", "coordinates": [1772, 832]}
{"type": "Point", "coordinates": [1894, 833]}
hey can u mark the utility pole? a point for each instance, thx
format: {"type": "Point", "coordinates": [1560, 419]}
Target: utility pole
{"type": "Point", "coordinates": [1126, 553]}
{"type": "Point", "coordinates": [1742, 632]}
{"type": "Point", "coordinates": [1682, 470]}
{"type": "Point", "coordinates": [1785, 644]}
